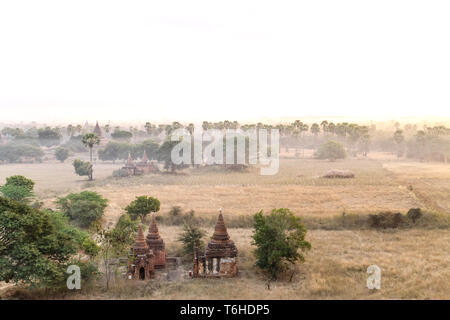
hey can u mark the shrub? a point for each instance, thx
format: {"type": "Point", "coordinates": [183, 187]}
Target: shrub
{"type": "Point", "coordinates": [191, 237]}
{"type": "Point", "coordinates": [18, 188]}
{"type": "Point", "coordinates": [15, 152]}
{"type": "Point", "coordinates": [61, 154]}
{"type": "Point", "coordinates": [35, 244]}
{"type": "Point", "coordinates": [175, 211]}
{"type": "Point", "coordinates": [330, 150]}
{"type": "Point", "coordinates": [414, 214]}
{"type": "Point", "coordinates": [385, 220]}
{"type": "Point", "coordinates": [84, 208]}
{"type": "Point", "coordinates": [82, 168]}
{"type": "Point", "coordinates": [278, 237]}
{"type": "Point", "coordinates": [90, 247]}
{"type": "Point", "coordinates": [121, 173]}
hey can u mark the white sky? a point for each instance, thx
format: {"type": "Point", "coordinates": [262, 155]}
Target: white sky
{"type": "Point", "coordinates": [217, 60]}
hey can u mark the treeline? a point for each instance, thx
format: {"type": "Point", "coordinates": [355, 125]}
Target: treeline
{"type": "Point", "coordinates": [429, 143]}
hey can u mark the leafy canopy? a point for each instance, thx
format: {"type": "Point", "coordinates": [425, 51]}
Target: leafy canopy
{"type": "Point", "coordinates": [142, 206]}
{"type": "Point", "coordinates": [35, 245]}
{"type": "Point", "coordinates": [84, 208]}
{"type": "Point", "coordinates": [18, 188]}
{"type": "Point", "coordinates": [278, 238]}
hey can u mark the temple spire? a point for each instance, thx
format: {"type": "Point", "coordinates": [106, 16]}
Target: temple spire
{"type": "Point", "coordinates": [140, 240]}
{"type": "Point", "coordinates": [220, 230]}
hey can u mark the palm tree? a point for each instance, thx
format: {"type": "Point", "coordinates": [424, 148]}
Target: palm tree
{"type": "Point", "coordinates": [89, 140]}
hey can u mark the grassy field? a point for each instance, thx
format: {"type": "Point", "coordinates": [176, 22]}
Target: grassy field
{"type": "Point", "coordinates": [415, 263]}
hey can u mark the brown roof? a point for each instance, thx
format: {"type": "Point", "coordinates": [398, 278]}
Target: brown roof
{"type": "Point", "coordinates": [220, 231]}
{"type": "Point", "coordinates": [97, 130]}
{"type": "Point", "coordinates": [221, 245]}
{"type": "Point", "coordinates": [140, 241]}
{"type": "Point", "coordinates": [154, 240]}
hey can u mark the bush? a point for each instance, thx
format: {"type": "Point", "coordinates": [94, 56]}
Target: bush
{"type": "Point", "coordinates": [35, 244]}
{"type": "Point", "coordinates": [61, 154]}
{"type": "Point", "coordinates": [121, 173]}
{"type": "Point", "coordinates": [82, 168]}
{"type": "Point", "coordinates": [175, 211]}
{"type": "Point", "coordinates": [330, 150]}
{"type": "Point", "coordinates": [13, 153]}
{"type": "Point", "coordinates": [191, 237]}
{"type": "Point", "coordinates": [385, 220]}
{"type": "Point", "coordinates": [414, 214]}
{"type": "Point", "coordinates": [84, 208]}
{"type": "Point", "coordinates": [18, 188]}
{"type": "Point", "coordinates": [278, 238]}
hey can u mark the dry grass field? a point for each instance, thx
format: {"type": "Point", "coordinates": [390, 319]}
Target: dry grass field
{"type": "Point", "coordinates": [415, 263]}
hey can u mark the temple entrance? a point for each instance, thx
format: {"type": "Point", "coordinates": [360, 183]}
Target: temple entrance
{"type": "Point", "coordinates": [142, 273]}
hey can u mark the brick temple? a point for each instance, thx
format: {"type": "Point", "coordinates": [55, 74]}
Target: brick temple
{"type": "Point", "coordinates": [156, 244]}
{"type": "Point", "coordinates": [220, 256]}
{"type": "Point", "coordinates": [147, 254]}
{"type": "Point", "coordinates": [142, 264]}
{"type": "Point", "coordinates": [142, 167]}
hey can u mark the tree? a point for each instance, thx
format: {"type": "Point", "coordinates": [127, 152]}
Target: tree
{"type": "Point", "coordinates": [121, 135]}
{"type": "Point", "coordinates": [49, 137]}
{"type": "Point", "coordinates": [399, 140]}
{"type": "Point", "coordinates": [82, 168]}
{"type": "Point", "coordinates": [13, 152]}
{"type": "Point", "coordinates": [278, 238]}
{"type": "Point", "coordinates": [330, 150]}
{"type": "Point", "coordinates": [61, 154]}
{"type": "Point", "coordinates": [89, 140]}
{"type": "Point", "coordinates": [18, 188]}
{"type": "Point", "coordinates": [142, 206]}
{"type": "Point", "coordinates": [165, 154]}
{"type": "Point", "coordinates": [84, 208]}
{"type": "Point", "coordinates": [191, 238]}
{"type": "Point", "coordinates": [115, 243]}
{"type": "Point", "coordinates": [34, 245]}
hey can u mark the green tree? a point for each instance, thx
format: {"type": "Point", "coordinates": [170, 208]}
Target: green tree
{"type": "Point", "coordinates": [399, 141]}
{"type": "Point", "coordinates": [121, 135]}
{"type": "Point", "coordinates": [115, 242]}
{"type": "Point", "coordinates": [18, 188]}
{"type": "Point", "coordinates": [82, 168]}
{"type": "Point", "coordinates": [49, 136]}
{"type": "Point", "coordinates": [89, 140]}
{"type": "Point", "coordinates": [278, 238]}
{"type": "Point", "coordinates": [84, 208]}
{"type": "Point", "coordinates": [165, 154]}
{"type": "Point", "coordinates": [61, 154]}
{"type": "Point", "coordinates": [142, 206]}
{"type": "Point", "coordinates": [191, 237]}
{"type": "Point", "coordinates": [34, 245]}
{"type": "Point", "coordinates": [330, 150]}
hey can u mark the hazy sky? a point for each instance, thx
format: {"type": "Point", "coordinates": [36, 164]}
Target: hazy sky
{"type": "Point", "coordinates": [216, 60]}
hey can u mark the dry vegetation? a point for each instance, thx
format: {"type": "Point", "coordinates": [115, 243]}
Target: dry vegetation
{"type": "Point", "coordinates": [415, 263]}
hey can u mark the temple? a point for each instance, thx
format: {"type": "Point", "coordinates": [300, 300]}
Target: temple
{"type": "Point", "coordinates": [142, 167]}
{"type": "Point", "coordinates": [142, 262]}
{"type": "Point", "coordinates": [130, 166]}
{"type": "Point", "coordinates": [156, 244]}
{"type": "Point", "coordinates": [147, 254]}
{"type": "Point", "coordinates": [220, 256]}
{"type": "Point", "coordinates": [99, 134]}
